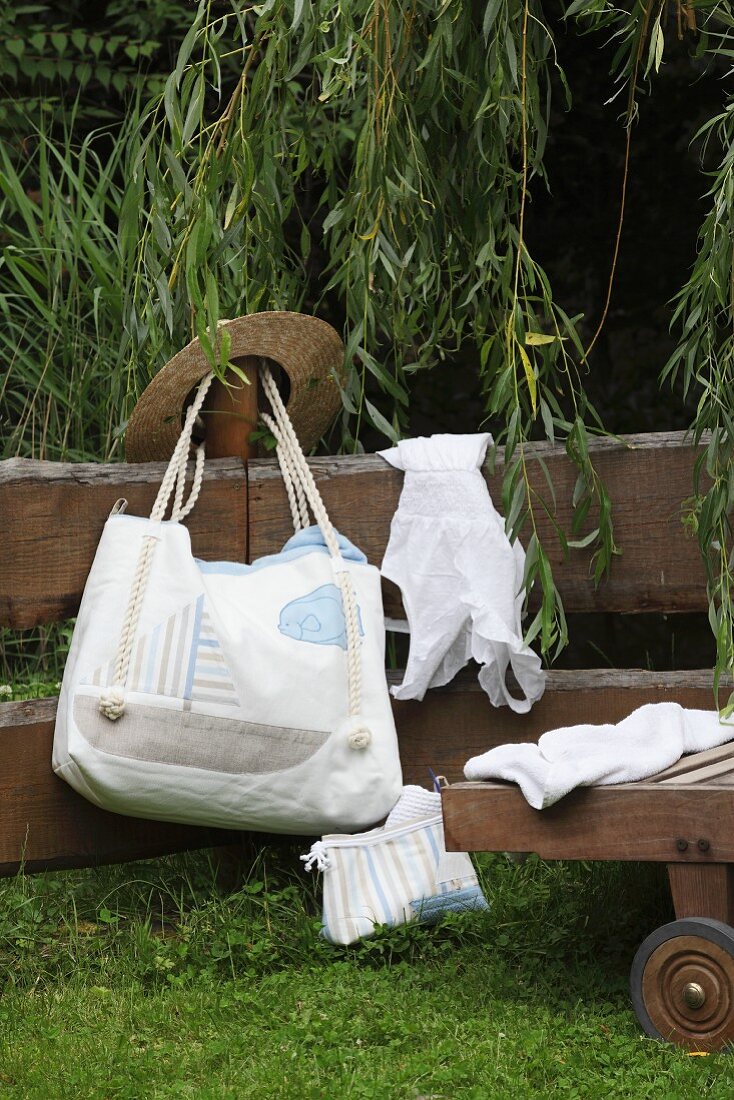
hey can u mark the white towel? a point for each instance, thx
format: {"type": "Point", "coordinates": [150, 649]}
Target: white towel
{"type": "Point", "coordinates": [460, 577]}
{"type": "Point", "coordinates": [414, 802]}
{"type": "Point", "coordinates": [650, 739]}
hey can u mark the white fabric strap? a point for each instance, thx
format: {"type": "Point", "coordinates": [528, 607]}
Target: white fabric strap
{"type": "Point", "coordinates": [112, 700]}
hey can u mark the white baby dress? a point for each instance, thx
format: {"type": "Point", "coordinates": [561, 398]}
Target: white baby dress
{"type": "Point", "coordinates": [460, 577]}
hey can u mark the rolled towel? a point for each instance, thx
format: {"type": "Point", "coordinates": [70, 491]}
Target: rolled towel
{"type": "Point", "coordinates": [644, 743]}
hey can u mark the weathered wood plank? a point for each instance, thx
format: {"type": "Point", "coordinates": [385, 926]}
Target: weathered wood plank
{"type": "Point", "coordinates": [695, 761]}
{"type": "Point", "coordinates": [647, 476]}
{"type": "Point", "coordinates": [637, 821]}
{"type": "Point", "coordinates": [53, 514]}
{"type": "Point", "coordinates": [720, 773]}
{"type": "Point", "coordinates": [41, 816]}
{"type": "Point", "coordinates": [44, 824]}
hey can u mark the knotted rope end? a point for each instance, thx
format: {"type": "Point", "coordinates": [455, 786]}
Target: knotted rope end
{"type": "Point", "coordinates": [360, 738]}
{"type": "Point", "coordinates": [112, 703]}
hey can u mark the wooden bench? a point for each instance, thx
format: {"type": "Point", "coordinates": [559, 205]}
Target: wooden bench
{"type": "Point", "coordinates": [52, 518]}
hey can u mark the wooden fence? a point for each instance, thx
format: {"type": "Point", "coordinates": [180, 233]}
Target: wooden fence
{"type": "Point", "coordinates": [52, 517]}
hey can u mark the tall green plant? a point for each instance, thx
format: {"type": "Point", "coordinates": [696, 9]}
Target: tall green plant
{"type": "Point", "coordinates": [53, 55]}
{"type": "Point", "coordinates": [703, 362]}
{"type": "Point", "coordinates": [62, 278]}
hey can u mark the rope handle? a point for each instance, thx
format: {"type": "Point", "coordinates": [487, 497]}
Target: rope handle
{"type": "Point", "coordinates": [112, 700]}
{"type": "Point", "coordinates": [175, 475]}
{"type": "Point", "coordinates": [292, 459]}
{"type": "Point", "coordinates": [293, 486]}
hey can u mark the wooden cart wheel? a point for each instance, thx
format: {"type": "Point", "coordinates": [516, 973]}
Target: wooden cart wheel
{"type": "Point", "coordinates": [682, 983]}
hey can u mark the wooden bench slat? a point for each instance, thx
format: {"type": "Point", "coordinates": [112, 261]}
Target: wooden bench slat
{"type": "Point", "coordinates": [695, 761]}
{"type": "Point", "coordinates": [637, 821]}
{"type": "Point", "coordinates": [45, 819]}
{"type": "Point", "coordinates": [648, 476]}
{"type": "Point", "coordinates": [53, 514]}
{"type": "Point", "coordinates": [706, 773]}
{"type": "Point", "coordinates": [725, 780]}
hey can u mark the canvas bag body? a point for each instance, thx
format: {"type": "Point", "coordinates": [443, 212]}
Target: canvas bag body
{"type": "Point", "coordinates": [237, 696]}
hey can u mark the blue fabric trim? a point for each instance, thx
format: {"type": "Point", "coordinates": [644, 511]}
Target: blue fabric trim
{"type": "Point", "coordinates": [194, 646]}
{"type": "Point", "coordinates": [429, 910]}
{"type": "Point", "coordinates": [308, 541]}
{"type": "Point", "coordinates": [434, 845]}
{"type": "Point", "coordinates": [233, 568]}
{"type": "Point", "coordinates": [311, 536]}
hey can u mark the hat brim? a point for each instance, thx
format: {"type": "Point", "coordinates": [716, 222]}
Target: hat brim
{"type": "Point", "coordinates": [308, 349]}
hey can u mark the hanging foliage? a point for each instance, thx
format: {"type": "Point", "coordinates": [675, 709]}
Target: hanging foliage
{"type": "Point", "coordinates": [371, 161]}
{"type": "Point", "coordinates": [703, 364]}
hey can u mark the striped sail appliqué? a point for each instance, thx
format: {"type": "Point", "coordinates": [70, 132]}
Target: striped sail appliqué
{"type": "Point", "coordinates": [181, 658]}
{"type": "Point", "coordinates": [212, 680]}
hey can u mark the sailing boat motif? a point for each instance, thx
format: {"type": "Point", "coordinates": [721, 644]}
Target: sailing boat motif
{"type": "Point", "coordinates": [181, 658]}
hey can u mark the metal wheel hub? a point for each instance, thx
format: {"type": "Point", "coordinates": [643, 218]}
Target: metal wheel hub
{"type": "Point", "coordinates": [694, 995]}
{"type": "Point", "coordinates": [687, 985]}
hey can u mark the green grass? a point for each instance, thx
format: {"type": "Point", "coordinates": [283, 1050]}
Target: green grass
{"type": "Point", "coordinates": [149, 980]}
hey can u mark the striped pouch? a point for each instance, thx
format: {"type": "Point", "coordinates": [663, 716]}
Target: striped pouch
{"type": "Point", "coordinates": [397, 873]}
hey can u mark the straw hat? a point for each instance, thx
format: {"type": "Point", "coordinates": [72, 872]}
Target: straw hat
{"type": "Point", "coordinates": [309, 351]}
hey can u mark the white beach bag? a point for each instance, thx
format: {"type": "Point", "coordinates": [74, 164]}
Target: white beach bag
{"type": "Point", "coordinates": [231, 695]}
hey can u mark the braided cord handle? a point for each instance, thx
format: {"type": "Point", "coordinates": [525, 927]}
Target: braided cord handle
{"type": "Point", "coordinates": [292, 459]}
{"type": "Point", "coordinates": [112, 700]}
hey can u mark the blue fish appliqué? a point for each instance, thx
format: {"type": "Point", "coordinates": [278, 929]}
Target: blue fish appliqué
{"type": "Point", "coordinates": [317, 618]}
